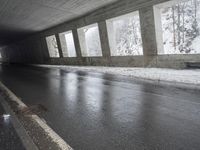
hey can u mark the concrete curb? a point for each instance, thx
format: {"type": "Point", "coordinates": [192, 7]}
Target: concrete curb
{"type": "Point", "coordinates": [23, 135]}
{"type": "Point", "coordinates": [52, 134]}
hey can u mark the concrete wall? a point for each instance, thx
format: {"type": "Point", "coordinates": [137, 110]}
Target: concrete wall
{"type": "Point", "coordinates": [34, 48]}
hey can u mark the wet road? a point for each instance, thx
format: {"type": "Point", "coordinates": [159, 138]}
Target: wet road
{"type": "Point", "coordinates": [9, 139]}
{"type": "Point", "coordinates": [93, 111]}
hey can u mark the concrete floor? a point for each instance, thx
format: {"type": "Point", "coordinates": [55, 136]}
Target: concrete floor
{"type": "Point", "coordinates": [93, 111]}
{"type": "Point", "coordinates": [9, 139]}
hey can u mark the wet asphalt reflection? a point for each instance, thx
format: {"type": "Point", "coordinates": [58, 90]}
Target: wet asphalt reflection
{"type": "Point", "coordinates": [93, 111]}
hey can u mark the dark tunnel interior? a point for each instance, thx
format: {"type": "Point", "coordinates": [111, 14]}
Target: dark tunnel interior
{"type": "Point", "coordinates": [99, 74]}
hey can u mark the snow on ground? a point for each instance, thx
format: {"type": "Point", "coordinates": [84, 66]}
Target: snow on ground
{"type": "Point", "coordinates": [191, 77]}
{"type": "Point", "coordinates": [196, 44]}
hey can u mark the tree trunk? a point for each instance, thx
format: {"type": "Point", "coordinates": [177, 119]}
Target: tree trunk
{"type": "Point", "coordinates": [183, 11]}
{"type": "Point", "coordinates": [178, 26]}
{"type": "Point", "coordinates": [195, 18]}
{"type": "Point", "coordinates": [174, 31]}
{"type": "Point", "coordinates": [195, 10]}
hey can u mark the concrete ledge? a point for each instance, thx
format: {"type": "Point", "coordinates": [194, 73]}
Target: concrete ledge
{"type": "Point", "coordinates": [193, 65]}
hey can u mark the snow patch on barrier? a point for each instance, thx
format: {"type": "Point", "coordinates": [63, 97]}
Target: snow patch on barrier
{"type": "Point", "coordinates": [191, 77]}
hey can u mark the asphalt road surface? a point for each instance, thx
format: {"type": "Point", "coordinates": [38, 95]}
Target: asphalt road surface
{"type": "Point", "coordinates": [93, 111]}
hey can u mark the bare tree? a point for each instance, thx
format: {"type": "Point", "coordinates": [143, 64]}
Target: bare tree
{"type": "Point", "coordinates": [174, 31]}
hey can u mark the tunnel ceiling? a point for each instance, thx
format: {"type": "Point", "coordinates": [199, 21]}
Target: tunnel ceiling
{"type": "Point", "coordinates": [21, 17]}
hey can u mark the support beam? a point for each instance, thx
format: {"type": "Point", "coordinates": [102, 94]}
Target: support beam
{"type": "Point", "coordinates": [104, 39]}
{"type": "Point", "coordinates": [59, 45]}
{"type": "Point", "coordinates": [76, 42]}
{"type": "Point", "coordinates": [148, 35]}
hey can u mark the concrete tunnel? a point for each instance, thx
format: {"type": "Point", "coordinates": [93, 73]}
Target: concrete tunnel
{"type": "Point", "coordinates": [99, 74]}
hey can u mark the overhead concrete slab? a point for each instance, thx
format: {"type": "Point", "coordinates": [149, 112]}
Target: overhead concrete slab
{"type": "Point", "coordinates": [19, 17]}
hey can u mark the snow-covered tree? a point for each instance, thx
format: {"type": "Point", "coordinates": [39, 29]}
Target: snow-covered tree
{"type": "Point", "coordinates": [180, 24]}
{"type": "Point", "coordinates": [128, 36]}
{"type": "Point", "coordinates": [52, 46]}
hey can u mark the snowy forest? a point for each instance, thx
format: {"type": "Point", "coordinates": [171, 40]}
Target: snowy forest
{"type": "Point", "coordinates": [52, 46]}
{"type": "Point", "coordinates": [93, 44]}
{"type": "Point", "coordinates": [180, 26]}
{"type": "Point", "coordinates": [127, 36]}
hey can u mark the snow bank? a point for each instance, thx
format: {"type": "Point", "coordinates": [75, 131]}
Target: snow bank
{"type": "Point", "coordinates": [191, 77]}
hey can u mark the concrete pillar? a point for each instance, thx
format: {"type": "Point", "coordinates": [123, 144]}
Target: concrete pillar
{"type": "Point", "coordinates": [76, 43]}
{"type": "Point", "coordinates": [159, 32]}
{"type": "Point", "coordinates": [59, 45]}
{"type": "Point", "coordinates": [104, 39]}
{"type": "Point", "coordinates": [44, 48]}
{"type": "Point", "coordinates": [82, 42]}
{"type": "Point", "coordinates": [148, 36]}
